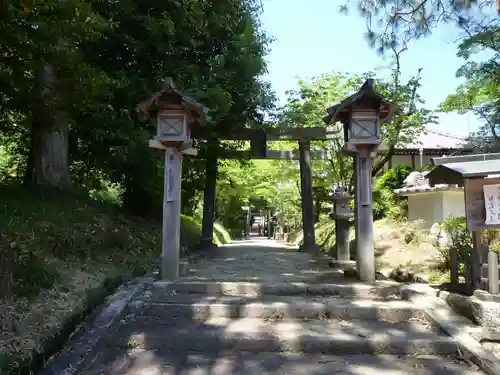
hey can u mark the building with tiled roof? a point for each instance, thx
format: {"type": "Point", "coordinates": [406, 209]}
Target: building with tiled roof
{"type": "Point", "coordinates": [430, 144]}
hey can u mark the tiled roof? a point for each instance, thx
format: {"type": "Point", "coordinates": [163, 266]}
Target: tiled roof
{"type": "Point", "coordinates": [416, 183]}
{"type": "Point", "coordinates": [426, 189]}
{"type": "Point", "coordinates": [431, 138]}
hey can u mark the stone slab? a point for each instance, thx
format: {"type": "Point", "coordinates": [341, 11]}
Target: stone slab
{"type": "Point", "coordinates": [487, 314]}
{"type": "Point", "coordinates": [256, 335]}
{"type": "Point", "coordinates": [486, 296]}
{"type": "Point", "coordinates": [442, 316]}
{"type": "Point", "coordinates": [188, 306]}
{"type": "Point", "coordinates": [341, 264]}
{"type": "Point", "coordinates": [249, 289]}
{"type": "Point", "coordinates": [85, 340]}
{"type": "Point", "coordinates": [164, 362]}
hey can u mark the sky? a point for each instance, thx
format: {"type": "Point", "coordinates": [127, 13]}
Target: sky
{"type": "Point", "coordinates": [312, 38]}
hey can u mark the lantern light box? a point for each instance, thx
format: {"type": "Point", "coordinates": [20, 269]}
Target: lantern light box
{"type": "Point", "coordinates": [364, 126]}
{"type": "Point", "coordinates": [172, 126]}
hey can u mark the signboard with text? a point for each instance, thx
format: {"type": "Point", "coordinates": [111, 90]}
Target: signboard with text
{"type": "Point", "coordinates": [492, 204]}
{"type": "Point", "coordinates": [482, 203]}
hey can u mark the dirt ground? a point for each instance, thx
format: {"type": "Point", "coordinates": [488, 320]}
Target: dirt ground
{"type": "Point", "coordinates": [401, 245]}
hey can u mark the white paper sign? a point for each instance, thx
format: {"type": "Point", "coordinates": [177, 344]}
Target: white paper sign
{"type": "Point", "coordinates": [492, 204]}
{"type": "Point", "coordinates": [171, 176]}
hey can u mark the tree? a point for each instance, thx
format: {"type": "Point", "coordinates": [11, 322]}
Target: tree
{"type": "Point", "coordinates": [481, 91]}
{"type": "Point", "coordinates": [388, 20]}
{"type": "Point", "coordinates": [307, 105]}
{"type": "Point", "coordinates": [74, 72]}
{"type": "Point", "coordinates": [42, 66]}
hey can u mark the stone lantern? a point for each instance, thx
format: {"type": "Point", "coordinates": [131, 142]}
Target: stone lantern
{"type": "Point", "coordinates": [362, 115]}
{"type": "Point", "coordinates": [174, 114]}
{"type": "Point", "coordinates": [342, 215]}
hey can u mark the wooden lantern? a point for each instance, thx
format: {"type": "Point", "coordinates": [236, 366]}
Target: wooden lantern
{"type": "Point", "coordinates": [363, 126]}
{"type": "Point", "coordinates": [172, 126]}
{"type": "Point", "coordinates": [174, 114]}
{"type": "Point", "coordinates": [362, 114]}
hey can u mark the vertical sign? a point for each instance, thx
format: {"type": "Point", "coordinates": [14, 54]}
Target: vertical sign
{"type": "Point", "coordinates": [171, 176]}
{"type": "Point", "coordinates": [492, 204]}
{"type": "Point", "coordinates": [365, 179]}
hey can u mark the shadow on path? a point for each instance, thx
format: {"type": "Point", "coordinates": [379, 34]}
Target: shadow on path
{"type": "Point", "coordinates": [183, 342]}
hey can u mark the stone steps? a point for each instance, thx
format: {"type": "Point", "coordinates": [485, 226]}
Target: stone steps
{"type": "Point", "coordinates": [334, 337]}
{"type": "Point", "coordinates": [175, 362]}
{"type": "Point", "coordinates": [383, 289]}
{"type": "Point", "coordinates": [334, 319]}
{"type": "Point", "coordinates": [276, 307]}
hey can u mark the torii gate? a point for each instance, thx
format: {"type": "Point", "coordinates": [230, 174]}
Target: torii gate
{"type": "Point", "coordinates": [258, 150]}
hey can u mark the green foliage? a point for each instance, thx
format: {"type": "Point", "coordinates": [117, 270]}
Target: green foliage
{"type": "Point", "coordinates": [393, 22]}
{"type": "Point", "coordinates": [394, 177]}
{"type": "Point", "coordinates": [325, 235]}
{"type": "Point", "coordinates": [106, 58]}
{"type": "Point", "coordinates": [459, 240]}
{"type": "Point", "coordinates": [385, 202]}
{"type": "Point", "coordinates": [480, 94]}
{"type": "Point", "coordinates": [309, 102]}
{"type": "Point", "coordinates": [41, 229]}
{"type": "Point", "coordinates": [260, 184]}
{"type": "Point", "coordinates": [221, 233]}
{"type": "Point", "coordinates": [190, 231]}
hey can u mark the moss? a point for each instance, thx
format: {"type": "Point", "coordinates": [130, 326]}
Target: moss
{"type": "Point", "coordinates": [60, 256]}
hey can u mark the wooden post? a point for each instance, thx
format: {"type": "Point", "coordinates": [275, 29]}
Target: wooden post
{"type": "Point", "coordinates": [171, 226]}
{"type": "Point", "coordinates": [493, 282]}
{"type": "Point", "coordinates": [454, 267]}
{"type": "Point", "coordinates": [306, 194]}
{"type": "Point", "coordinates": [475, 260]}
{"type": "Point", "coordinates": [467, 273]}
{"type": "Point", "coordinates": [365, 262]}
{"type": "Point", "coordinates": [282, 222]}
{"type": "Point", "coordinates": [247, 225]}
{"type": "Point", "coordinates": [209, 196]}
{"type": "Point", "coordinates": [356, 206]}
{"type": "Point", "coordinates": [269, 225]}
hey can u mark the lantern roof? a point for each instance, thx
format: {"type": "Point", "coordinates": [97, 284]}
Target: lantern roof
{"type": "Point", "coordinates": [171, 94]}
{"type": "Point", "coordinates": [367, 96]}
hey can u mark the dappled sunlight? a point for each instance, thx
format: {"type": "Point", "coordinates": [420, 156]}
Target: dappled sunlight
{"type": "Point", "coordinates": [215, 321]}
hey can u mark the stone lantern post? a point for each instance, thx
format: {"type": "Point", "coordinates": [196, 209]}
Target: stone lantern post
{"type": "Point", "coordinates": [173, 114]}
{"type": "Point", "coordinates": [342, 216]}
{"type": "Point", "coordinates": [361, 115]}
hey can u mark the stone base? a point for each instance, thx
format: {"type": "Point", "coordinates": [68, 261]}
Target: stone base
{"type": "Point", "coordinates": [183, 271]}
{"type": "Point", "coordinates": [183, 268]}
{"type": "Point", "coordinates": [485, 296]}
{"type": "Point", "coordinates": [311, 249]}
{"type": "Point", "coordinates": [207, 244]}
{"type": "Point", "coordinates": [481, 309]}
{"type": "Point", "coordinates": [487, 314]}
{"type": "Point", "coordinates": [341, 264]}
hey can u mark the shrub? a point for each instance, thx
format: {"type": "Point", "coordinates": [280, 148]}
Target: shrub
{"type": "Point", "coordinates": [456, 238]}
{"type": "Point", "coordinates": [221, 235]}
{"type": "Point", "coordinates": [385, 202]}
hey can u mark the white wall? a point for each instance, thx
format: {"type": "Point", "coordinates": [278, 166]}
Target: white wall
{"type": "Point", "coordinates": [425, 207]}
{"type": "Point", "coordinates": [432, 207]}
{"type": "Point", "coordinates": [409, 160]}
{"type": "Point", "coordinates": [453, 203]}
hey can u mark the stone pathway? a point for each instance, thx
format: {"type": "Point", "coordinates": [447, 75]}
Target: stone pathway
{"type": "Point", "coordinates": [258, 260]}
{"type": "Point", "coordinates": [256, 307]}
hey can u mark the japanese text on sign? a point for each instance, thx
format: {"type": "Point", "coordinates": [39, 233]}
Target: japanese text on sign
{"type": "Point", "coordinates": [492, 204]}
{"type": "Point", "coordinates": [172, 177]}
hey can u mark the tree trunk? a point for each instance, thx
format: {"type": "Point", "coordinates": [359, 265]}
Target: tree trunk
{"type": "Point", "coordinates": [49, 136]}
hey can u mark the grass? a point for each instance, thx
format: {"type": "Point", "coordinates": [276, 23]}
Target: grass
{"type": "Point", "coordinates": [58, 253]}
{"type": "Point", "coordinates": [398, 244]}
{"type": "Point", "coordinates": [55, 249]}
